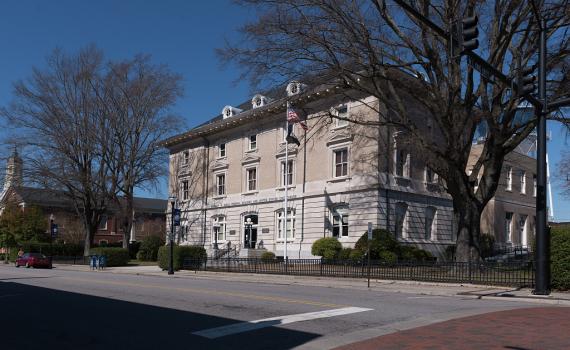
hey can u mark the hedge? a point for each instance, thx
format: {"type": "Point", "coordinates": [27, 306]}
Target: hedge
{"type": "Point", "coordinates": [560, 257]}
{"type": "Point", "coordinates": [148, 250]}
{"type": "Point", "coordinates": [115, 256]}
{"type": "Point", "coordinates": [385, 247]}
{"type": "Point", "coordinates": [180, 253]}
{"type": "Point", "coordinates": [327, 247]}
{"type": "Point", "coordinates": [268, 257]}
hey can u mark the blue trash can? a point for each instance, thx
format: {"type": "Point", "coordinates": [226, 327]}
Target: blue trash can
{"type": "Point", "coordinates": [93, 261]}
{"type": "Point", "coordinates": [102, 261]}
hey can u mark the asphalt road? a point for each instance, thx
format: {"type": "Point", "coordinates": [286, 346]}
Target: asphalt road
{"type": "Point", "coordinates": [59, 309]}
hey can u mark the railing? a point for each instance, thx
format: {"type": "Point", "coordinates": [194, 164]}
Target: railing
{"type": "Point", "coordinates": [515, 251]}
{"type": "Point", "coordinates": [516, 274]}
{"type": "Point", "coordinates": [227, 252]}
{"type": "Point", "coordinates": [71, 260]}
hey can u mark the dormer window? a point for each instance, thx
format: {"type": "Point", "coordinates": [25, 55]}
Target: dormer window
{"type": "Point", "coordinates": [230, 111]}
{"type": "Point", "coordinates": [259, 101]}
{"type": "Point", "coordinates": [295, 87]}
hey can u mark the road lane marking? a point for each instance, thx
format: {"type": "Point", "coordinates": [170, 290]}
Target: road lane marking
{"type": "Point", "coordinates": [211, 292]}
{"type": "Point", "coordinates": [241, 327]}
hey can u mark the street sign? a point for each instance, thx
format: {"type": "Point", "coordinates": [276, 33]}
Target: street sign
{"type": "Point", "coordinates": [485, 72]}
{"type": "Point", "coordinates": [176, 217]}
{"type": "Point", "coordinates": [369, 230]}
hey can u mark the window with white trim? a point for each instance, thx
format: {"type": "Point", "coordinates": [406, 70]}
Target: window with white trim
{"type": "Point", "coordinates": [251, 176]}
{"type": "Point", "coordinates": [287, 178]}
{"type": "Point", "coordinates": [186, 157]}
{"type": "Point", "coordinates": [340, 221]}
{"type": "Point", "coordinates": [341, 162]}
{"type": "Point", "coordinates": [403, 162]}
{"type": "Point", "coordinates": [430, 175]}
{"type": "Point", "coordinates": [219, 228]}
{"type": "Point", "coordinates": [220, 184]}
{"type": "Point", "coordinates": [523, 182]}
{"type": "Point", "coordinates": [401, 220]}
{"type": "Point", "coordinates": [252, 142]}
{"type": "Point", "coordinates": [342, 113]}
{"type": "Point", "coordinates": [534, 185]}
{"type": "Point", "coordinates": [222, 150]}
{"type": "Point", "coordinates": [509, 178]}
{"type": "Point", "coordinates": [290, 224]}
{"type": "Point", "coordinates": [103, 222]}
{"type": "Point", "coordinates": [185, 190]}
{"type": "Point", "coordinates": [430, 223]}
{"type": "Point", "coordinates": [508, 227]}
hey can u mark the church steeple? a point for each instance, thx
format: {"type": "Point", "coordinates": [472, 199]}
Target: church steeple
{"type": "Point", "coordinates": [14, 175]}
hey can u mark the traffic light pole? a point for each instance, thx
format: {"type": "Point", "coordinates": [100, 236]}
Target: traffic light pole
{"type": "Point", "coordinates": [542, 254]}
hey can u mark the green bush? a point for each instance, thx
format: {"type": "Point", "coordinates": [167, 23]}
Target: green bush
{"type": "Point", "coordinates": [356, 255]}
{"type": "Point", "coordinates": [115, 256]}
{"type": "Point", "coordinates": [268, 257]}
{"type": "Point", "coordinates": [450, 252]}
{"type": "Point", "coordinates": [486, 243]}
{"type": "Point", "coordinates": [560, 257]}
{"type": "Point", "coordinates": [134, 249]}
{"type": "Point", "coordinates": [344, 253]}
{"type": "Point", "coordinates": [388, 257]}
{"type": "Point", "coordinates": [180, 253]}
{"type": "Point", "coordinates": [381, 240]}
{"type": "Point", "coordinates": [327, 247]}
{"type": "Point", "coordinates": [148, 250]}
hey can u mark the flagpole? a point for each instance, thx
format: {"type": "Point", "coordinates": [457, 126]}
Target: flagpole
{"type": "Point", "coordinates": [286, 182]}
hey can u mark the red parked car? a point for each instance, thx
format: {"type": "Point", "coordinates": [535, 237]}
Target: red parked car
{"type": "Point", "coordinates": [33, 260]}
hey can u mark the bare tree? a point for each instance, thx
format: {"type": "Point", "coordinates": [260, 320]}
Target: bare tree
{"type": "Point", "coordinates": [564, 173]}
{"type": "Point", "coordinates": [375, 48]}
{"type": "Point", "coordinates": [57, 117]}
{"type": "Point", "coordinates": [136, 96]}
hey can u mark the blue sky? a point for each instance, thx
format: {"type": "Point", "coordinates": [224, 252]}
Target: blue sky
{"type": "Point", "coordinates": [181, 34]}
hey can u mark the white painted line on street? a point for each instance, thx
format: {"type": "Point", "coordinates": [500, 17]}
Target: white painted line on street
{"type": "Point", "coordinates": [241, 327]}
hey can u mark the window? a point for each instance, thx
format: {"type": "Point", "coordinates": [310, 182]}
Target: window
{"type": "Point", "coordinates": [509, 178]}
{"type": "Point", "coordinates": [523, 182]}
{"type": "Point", "coordinates": [103, 222]}
{"type": "Point", "coordinates": [341, 162]}
{"type": "Point", "coordinates": [342, 113]}
{"type": "Point", "coordinates": [290, 224]}
{"type": "Point", "coordinates": [402, 163]}
{"type": "Point", "coordinates": [287, 178]}
{"type": "Point", "coordinates": [186, 157]}
{"type": "Point", "coordinates": [430, 223]}
{"type": "Point", "coordinates": [401, 220]}
{"type": "Point", "coordinates": [430, 176]}
{"type": "Point", "coordinates": [185, 192]}
{"type": "Point", "coordinates": [508, 227]}
{"type": "Point", "coordinates": [252, 142]}
{"type": "Point", "coordinates": [221, 184]}
{"type": "Point", "coordinates": [534, 185]}
{"type": "Point", "coordinates": [222, 150]}
{"type": "Point", "coordinates": [340, 221]}
{"type": "Point", "coordinates": [523, 230]}
{"type": "Point", "coordinates": [251, 179]}
{"type": "Point", "coordinates": [219, 228]}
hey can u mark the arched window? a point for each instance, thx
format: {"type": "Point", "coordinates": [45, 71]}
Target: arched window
{"type": "Point", "coordinates": [430, 223]}
{"type": "Point", "coordinates": [340, 221]}
{"type": "Point", "coordinates": [401, 220]}
{"type": "Point", "coordinates": [290, 224]}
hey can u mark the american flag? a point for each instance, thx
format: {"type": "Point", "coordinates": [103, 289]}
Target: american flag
{"type": "Point", "coordinates": [293, 117]}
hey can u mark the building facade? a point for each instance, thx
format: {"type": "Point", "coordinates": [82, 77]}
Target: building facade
{"type": "Point", "coordinates": [229, 177]}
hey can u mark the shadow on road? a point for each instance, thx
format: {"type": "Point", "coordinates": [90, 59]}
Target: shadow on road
{"type": "Point", "coordinates": [41, 318]}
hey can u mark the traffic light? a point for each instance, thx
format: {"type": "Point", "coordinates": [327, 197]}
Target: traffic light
{"type": "Point", "coordinates": [469, 33]}
{"type": "Point", "coordinates": [525, 81]}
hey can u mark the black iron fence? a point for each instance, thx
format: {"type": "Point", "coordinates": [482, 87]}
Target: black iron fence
{"type": "Point", "coordinates": [516, 273]}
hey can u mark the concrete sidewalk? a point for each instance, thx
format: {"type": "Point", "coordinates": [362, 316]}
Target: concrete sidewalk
{"type": "Point", "coordinates": [407, 287]}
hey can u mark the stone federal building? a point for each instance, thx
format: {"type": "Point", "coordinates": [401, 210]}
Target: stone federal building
{"type": "Point", "coordinates": [229, 179]}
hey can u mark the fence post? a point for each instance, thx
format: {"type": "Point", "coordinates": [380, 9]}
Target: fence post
{"type": "Point", "coordinates": [321, 266]}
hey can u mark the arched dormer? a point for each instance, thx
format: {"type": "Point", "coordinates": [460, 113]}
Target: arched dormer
{"type": "Point", "coordinates": [295, 88]}
{"type": "Point", "coordinates": [259, 101]}
{"type": "Point", "coordinates": [230, 111]}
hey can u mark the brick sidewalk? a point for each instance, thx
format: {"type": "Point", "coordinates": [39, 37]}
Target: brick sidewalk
{"type": "Point", "coordinates": [522, 329]}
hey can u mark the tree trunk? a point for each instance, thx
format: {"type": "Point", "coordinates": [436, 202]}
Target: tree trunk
{"type": "Point", "coordinates": [468, 219]}
{"type": "Point", "coordinates": [89, 236]}
{"type": "Point", "coordinates": [128, 219]}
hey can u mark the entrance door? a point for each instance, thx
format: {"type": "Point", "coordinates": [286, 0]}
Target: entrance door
{"type": "Point", "coordinates": [250, 231]}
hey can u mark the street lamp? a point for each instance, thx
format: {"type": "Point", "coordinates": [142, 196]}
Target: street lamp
{"type": "Point", "coordinates": [172, 200]}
